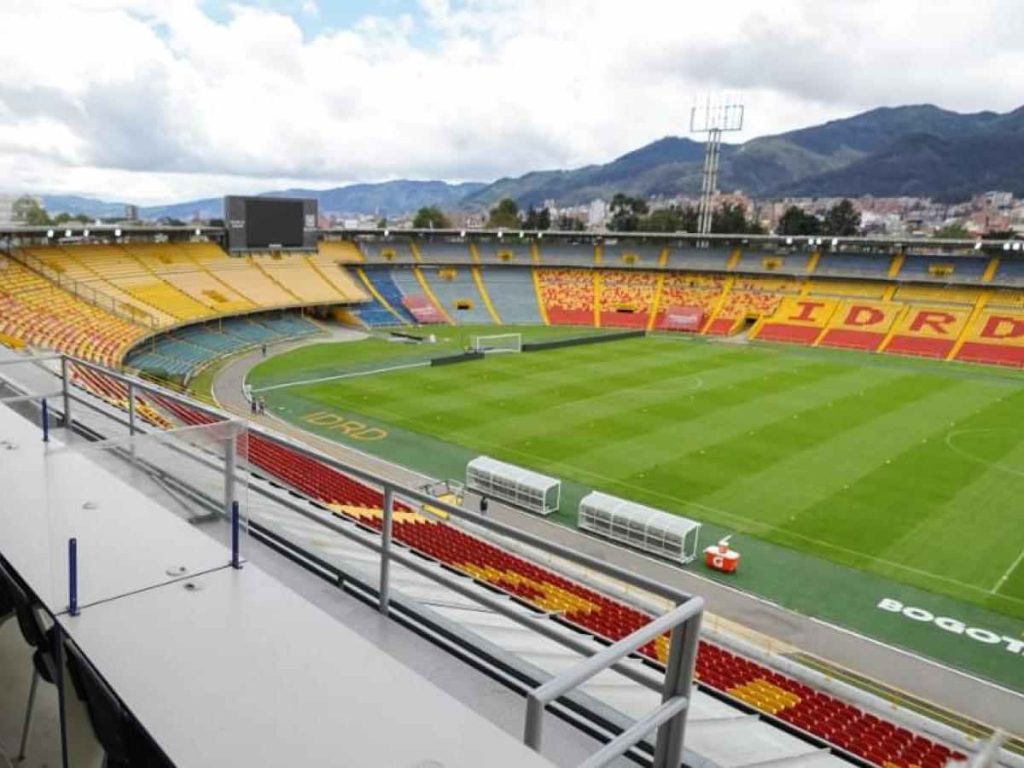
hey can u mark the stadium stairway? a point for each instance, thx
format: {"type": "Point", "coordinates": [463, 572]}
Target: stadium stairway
{"type": "Point", "coordinates": [776, 697]}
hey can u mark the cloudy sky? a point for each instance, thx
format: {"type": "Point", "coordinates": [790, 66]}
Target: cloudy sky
{"type": "Point", "coordinates": [159, 100]}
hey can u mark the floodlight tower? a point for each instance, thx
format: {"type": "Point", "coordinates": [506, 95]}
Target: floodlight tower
{"type": "Point", "coordinates": [713, 117]}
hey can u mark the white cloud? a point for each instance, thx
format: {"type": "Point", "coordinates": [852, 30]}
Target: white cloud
{"type": "Point", "coordinates": [152, 100]}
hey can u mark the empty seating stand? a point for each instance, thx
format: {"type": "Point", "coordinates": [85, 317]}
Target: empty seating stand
{"type": "Point", "coordinates": [386, 282]}
{"type": "Point", "coordinates": [510, 250]}
{"type": "Point", "coordinates": [455, 289]}
{"type": "Point", "coordinates": [512, 293]}
{"type": "Point", "coordinates": [943, 269]}
{"type": "Point", "coordinates": [35, 312]}
{"type": "Point", "coordinates": [181, 353]}
{"type": "Point", "coordinates": [874, 265]}
{"type": "Point", "coordinates": [445, 252]}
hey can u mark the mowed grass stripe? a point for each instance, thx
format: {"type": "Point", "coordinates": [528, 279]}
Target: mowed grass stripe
{"type": "Point", "coordinates": [629, 418]}
{"type": "Point", "coordinates": [826, 452]}
{"type": "Point", "coordinates": [567, 427]}
{"type": "Point", "coordinates": [904, 488]}
{"type": "Point", "coordinates": [617, 418]}
{"type": "Point", "coordinates": [988, 481]}
{"type": "Point", "coordinates": [701, 477]}
{"type": "Point", "coordinates": [431, 399]}
{"type": "Point", "coordinates": [711, 426]}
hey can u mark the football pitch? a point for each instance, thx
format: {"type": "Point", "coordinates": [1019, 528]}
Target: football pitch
{"type": "Point", "coordinates": [819, 462]}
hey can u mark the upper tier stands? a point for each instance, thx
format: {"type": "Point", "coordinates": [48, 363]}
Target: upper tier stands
{"type": "Point", "coordinates": [714, 258]}
{"type": "Point", "coordinates": [786, 263]}
{"type": "Point", "coordinates": [172, 283]}
{"type": "Point", "coordinates": [387, 251]}
{"type": "Point", "coordinates": [298, 277]}
{"type": "Point", "coordinates": [631, 255]}
{"type": "Point", "coordinates": [456, 290]}
{"type": "Point", "coordinates": [337, 251]}
{"type": "Point", "coordinates": [445, 251]}
{"type": "Point", "coordinates": [35, 312]}
{"type": "Point", "coordinates": [566, 254]}
{"type": "Point", "coordinates": [182, 352]}
{"type": "Point", "coordinates": [941, 269]}
{"type": "Point", "coordinates": [511, 251]}
{"type": "Point", "coordinates": [1010, 272]}
{"type": "Point", "coordinates": [854, 265]}
{"type": "Point", "coordinates": [512, 293]}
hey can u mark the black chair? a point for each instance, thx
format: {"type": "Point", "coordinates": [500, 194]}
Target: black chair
{"type": "Point", "coordinates": [6, 602]}
{"type": "Point", "coordinates": [123, 740]}
{"type": "Point", "coordinates": [106, 715]}
{"type": "Point", "coordinates": [36, 635]}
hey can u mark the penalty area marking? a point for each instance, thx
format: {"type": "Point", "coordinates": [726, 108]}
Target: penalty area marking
{"type": "Point", "coordinates": [342, 376]}
{"type": "Point", "coordinates": [1006, 575]}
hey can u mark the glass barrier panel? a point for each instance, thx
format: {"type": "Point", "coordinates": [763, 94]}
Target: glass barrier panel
{"type": "Point", "coordinates": [145, 510]}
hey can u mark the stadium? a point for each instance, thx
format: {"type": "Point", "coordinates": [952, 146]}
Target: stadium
{"type": "Point", "coordinates": [499, 483]}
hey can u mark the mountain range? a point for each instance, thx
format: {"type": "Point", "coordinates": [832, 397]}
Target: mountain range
{"type": "Point", "coordinates": [919, 150]}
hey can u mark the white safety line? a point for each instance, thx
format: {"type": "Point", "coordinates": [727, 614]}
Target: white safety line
{"type": "Point", "coordinates": [343, 376]}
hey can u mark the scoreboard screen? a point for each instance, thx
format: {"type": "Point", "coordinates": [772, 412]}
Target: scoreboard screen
{"type": "Point", "coordinates": [270, 223]}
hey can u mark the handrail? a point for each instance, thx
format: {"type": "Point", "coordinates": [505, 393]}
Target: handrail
{"type": "Point", "coordinates": [83, 291]}
{"type": "Point", "coordinates": [670, 717]}
{"type": "Point", "coordinates": [620, 574]}
{"type": "Point", "coordinates": [682, 622]}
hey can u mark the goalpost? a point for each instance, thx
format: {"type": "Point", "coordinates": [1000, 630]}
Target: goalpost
{"type": "Point", "coordinates": [498, 342]}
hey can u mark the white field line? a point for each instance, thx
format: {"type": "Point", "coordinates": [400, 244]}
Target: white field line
{"type": "Point", "coordinates": [1006, 575]}
{"type": "Point", "coordinates": [752, 522]}
{"type": "Point", "coordinates": [342, 376]}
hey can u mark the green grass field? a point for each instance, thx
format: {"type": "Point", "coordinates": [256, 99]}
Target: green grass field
{"type": "Point", "coordinates": [909, 471]}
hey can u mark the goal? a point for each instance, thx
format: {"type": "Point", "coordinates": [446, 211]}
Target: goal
{"type": "Point", "coordinates": [499, 342]}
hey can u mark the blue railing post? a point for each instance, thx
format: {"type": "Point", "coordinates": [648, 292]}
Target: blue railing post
{"type": "Point", "coordinates": [73, 576]}
{"type": "Point", "coordinates": [236, 561]}
{"type": "Point", "coordinates": [46, 422]}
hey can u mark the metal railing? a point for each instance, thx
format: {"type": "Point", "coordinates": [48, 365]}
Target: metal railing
{"type": "Point", "coordinates": [669, 717]}
{"type": "Point", "coordinates": [86, 292]}
{"type": "Point", "coordinates": [682, 622]}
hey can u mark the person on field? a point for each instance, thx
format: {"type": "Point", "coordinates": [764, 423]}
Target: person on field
{"type": "Point", "coordinates": [484, 504]}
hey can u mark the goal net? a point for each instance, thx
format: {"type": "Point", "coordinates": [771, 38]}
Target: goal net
{"type": "Point", "coordinates": [499, 342]}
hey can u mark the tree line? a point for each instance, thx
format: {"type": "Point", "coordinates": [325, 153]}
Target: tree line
{"type": "Point", "coordinates": [633, 214]}
{"type": "Point", "coordinates": [505, 215]}
{"type": "Point", "coordinates": [27, 210]}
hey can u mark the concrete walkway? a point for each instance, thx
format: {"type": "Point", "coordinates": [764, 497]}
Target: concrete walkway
{"type": "Point", "coordinates": [920, 677]}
